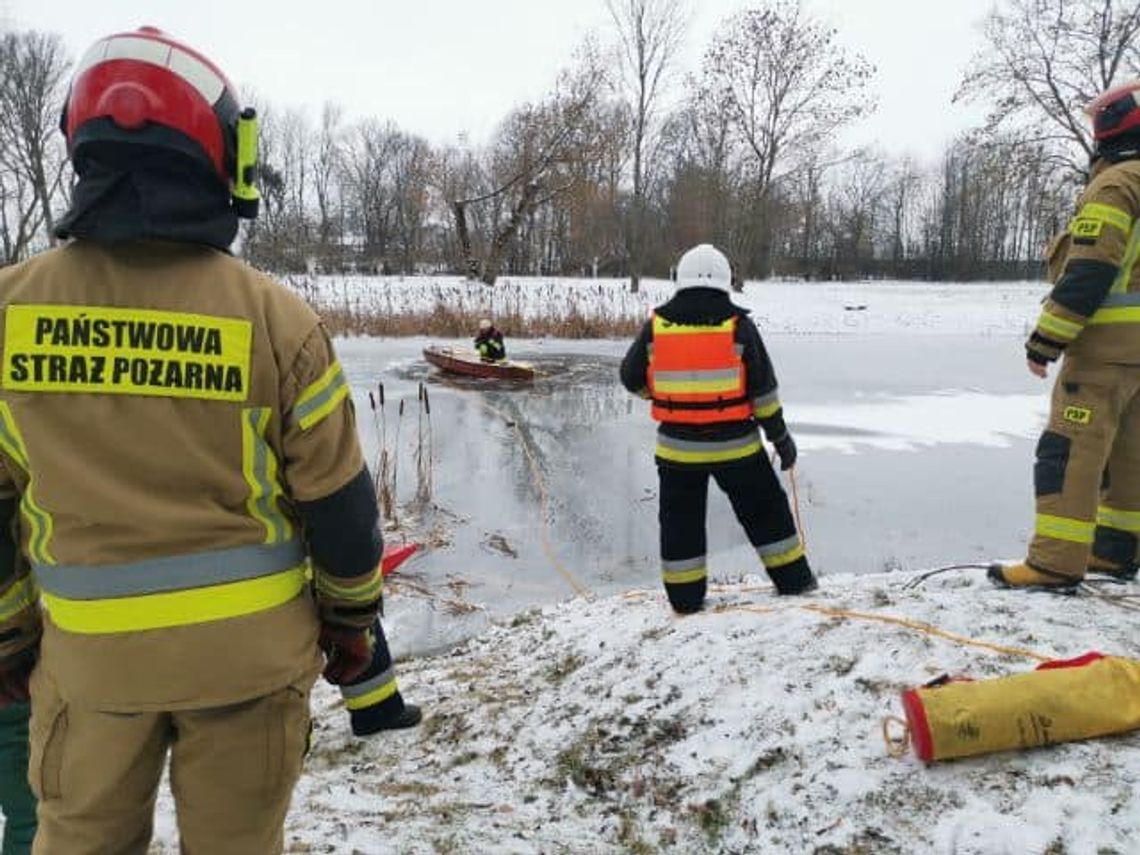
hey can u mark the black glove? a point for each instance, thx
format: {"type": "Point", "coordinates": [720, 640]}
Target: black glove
{"type": "Point", "coordinates": [786, 448]}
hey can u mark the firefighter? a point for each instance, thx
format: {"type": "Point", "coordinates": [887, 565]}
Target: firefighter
{"type": "Point", "coordinates": [178, 440]}
{"type": "Point", "coordinates": [1087, 472]}
{"type": "Point", "coordinates": [701, 361]}
{"type": "Point", "coordinates": [489, 343]}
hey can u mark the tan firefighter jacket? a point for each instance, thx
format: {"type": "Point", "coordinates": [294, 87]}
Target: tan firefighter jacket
{"type": "Point", "coordinates": [161, 407]}
{"type": "Point", "coordinates": [1093, 310]}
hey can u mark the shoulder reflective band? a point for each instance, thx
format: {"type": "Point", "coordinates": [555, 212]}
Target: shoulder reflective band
{"type": "Point", "coordinates": [39, 521]}
{"type": "Point", "coordinates": [259, 466]}
{"type": "Point", "coordinates": [126, 352]}
{"type": "Point", "coordinates": [370, 692]}
{"type": "Point", "coordinates": [321, 397]}
{"type": "Point", "coordinates": [1093, 216]}
{"type": "Point", "coordinates": [173, 590]}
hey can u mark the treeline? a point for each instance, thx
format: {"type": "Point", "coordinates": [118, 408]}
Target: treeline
{"type": "Point", "coordinates": [627, 161]}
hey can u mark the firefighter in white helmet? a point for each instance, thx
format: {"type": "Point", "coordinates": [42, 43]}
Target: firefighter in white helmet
{"type": "Point", "coordinates": [701, 361]}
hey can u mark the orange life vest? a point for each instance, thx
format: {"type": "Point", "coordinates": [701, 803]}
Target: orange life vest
{"type": "Point", "coordinates": [696, 373]}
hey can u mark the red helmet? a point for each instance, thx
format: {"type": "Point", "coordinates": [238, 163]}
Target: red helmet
{"type": "Point", "coordinates": [1115, 112]}
{"type": "Point", "coordinates": [147, 78]}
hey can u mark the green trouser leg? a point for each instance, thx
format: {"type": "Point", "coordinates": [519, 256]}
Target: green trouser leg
{"type": "Point", "coordinates": [16, 799]}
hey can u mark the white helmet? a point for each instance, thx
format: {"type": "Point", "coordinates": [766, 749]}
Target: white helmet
{"type": "Point", "coordinates": [704, 266]}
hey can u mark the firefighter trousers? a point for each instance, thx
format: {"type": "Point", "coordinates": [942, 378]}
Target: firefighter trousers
{"type": "Point", "coordinates": [1087, 473]}
{"type": "Point", "coordinates": [232, 773]}
{"type": "Point", "coordinates": [760, 505]}
{"type": "Point", "coordinates": [16, 799]}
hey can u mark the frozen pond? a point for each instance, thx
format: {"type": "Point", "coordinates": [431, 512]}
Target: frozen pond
{"type": "Point", "coordinates": [914, 452]}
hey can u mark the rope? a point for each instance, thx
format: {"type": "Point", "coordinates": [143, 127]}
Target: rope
{"type": "Point", "coordinates": [795, 500]}
{"type": "Point", "coordinates": [543, 502]}
{"type": "Point", "coordinates": [928, 629]}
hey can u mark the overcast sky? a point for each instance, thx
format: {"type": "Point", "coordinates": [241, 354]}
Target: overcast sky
{"type": "Point", "coordinates": [440, 68]}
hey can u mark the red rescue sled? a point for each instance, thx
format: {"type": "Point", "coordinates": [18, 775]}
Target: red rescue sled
{"type": "Point", "coordinates": [396, 554]}
{"type": "Point", "coordinates": [468, 362]}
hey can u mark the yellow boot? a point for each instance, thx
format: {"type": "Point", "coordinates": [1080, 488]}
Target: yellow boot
{"type": "Point", "coordinates": [1022, 575]}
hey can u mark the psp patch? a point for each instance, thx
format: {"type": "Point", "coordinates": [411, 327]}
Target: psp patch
{"type": "Point", "coordinates": [1077, 415]}
{"type": "Point", "coordinates": [117, 351]}
{"type": "Point", "coordinates": [1086, 230]}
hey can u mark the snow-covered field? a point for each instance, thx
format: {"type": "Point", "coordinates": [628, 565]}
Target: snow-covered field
{"type": "Point", "coordinates": [569, 711]}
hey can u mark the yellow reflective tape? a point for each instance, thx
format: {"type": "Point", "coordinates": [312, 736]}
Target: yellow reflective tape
{"type": "Point", "coordinates": [1118, 519]}
{"type": "Point", "coordinates": [1064, 528]}
{"type": "Point", "coordinates": [260, 468]}
{"type": "Point", "coordinates": [1099, 214]}
{"type": "Point", "coordinates": [106, 350]}
{"type": "Point", "coordinates": [367, 592]}
{"type": "Point", "coordinates": [321, 397]}
{"type": "Point", "coordinates": [1116, 315]}
{"type": "Point", "coordinates": [380, 693]}
{"type": "Point", "coordinates": [771, 562]}
{"type": "Point", "coordinates": [175, 608]}
{"type": "Point", "coordinates": [662, 326]}
{"type": "Point", "coordinates": [1058, 327]}
{"type": "Point", "coordinates": [696, 387]}
{"type": "Point", "coordinates": [20, 595]}
{"type": "Point", "coordinates": [1131, 255]}
{"type": "Point", "coordinates": [40, 524]}
{"type": "Point", "coordinates": [667, 453]}
{"type": "Point", "coordinates": [683, 577]}
{"type": "Point", "coordinates": [766, 410]}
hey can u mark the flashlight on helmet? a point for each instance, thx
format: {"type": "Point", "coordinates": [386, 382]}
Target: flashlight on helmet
{"type": "Point", "coordinates": [245, 194]}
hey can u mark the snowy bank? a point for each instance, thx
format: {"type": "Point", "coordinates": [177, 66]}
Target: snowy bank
{"type": "Point", "coordinates": [801, 308]}
{"type": "Point", "coordinates": [610, 725]}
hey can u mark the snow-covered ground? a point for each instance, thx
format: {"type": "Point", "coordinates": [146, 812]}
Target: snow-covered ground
{"type": "Point", "coordinates": [569, 711]}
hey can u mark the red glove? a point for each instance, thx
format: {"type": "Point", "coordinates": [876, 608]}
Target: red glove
{"type": "Point", "coordinates": [348, 652]}
{"type": "Point", "coordinates": [14, 679]}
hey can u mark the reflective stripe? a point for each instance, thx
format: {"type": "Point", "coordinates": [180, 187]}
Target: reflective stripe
{"type": "Point", "coordinates": [1113, 300]}
{"type": "Point", "coordinates": [1058, 327]}
{"type": "Point", "coordinates": [1063, 528]}
{"type": "Point", "coordinates": [370, 692]}
{"type": "Point", "coordinates": [684, 570]}
{"type": "Point", "coordinates": [712, 381]}
{"type": "Point", "coordinates": [1114, 518]}
{"type": "Point", "coordinates": [321, 398]}
{"type": "Point", "coordinates": [1120, 315]}
{"type": "Point", "coordinates": [190, 68]}
{"type": "Point", "coordinates": [664, 327]}
{"type": "Point", "coordinates": [176, 608]}
{"type": "Point", "coordinates": [20, 595]}
{"type": "Point", "coordinates": [39, 520]}
{"type": "Point", "coordinates": [693, 451]}
{"type": "Point", "coordinates": [259, 465]}
{"type": "Point", "coordinates": [365, 593]}
{"type": "Point", "coordinates": [1128, 263]}
{"type": "Point", "coordinates": [767, 405]}
{"type": "Point", "coordinates": [168, 573]}
{"type": "Point", "coordinates": [1109, 214]}
{"type": "Point", "coordinates": [781, 552]}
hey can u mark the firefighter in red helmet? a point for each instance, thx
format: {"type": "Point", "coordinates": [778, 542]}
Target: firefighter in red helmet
{"type": "Point", "coordinates": [1087, 473]}
{"type": "Point", "coordinates": [701, 360]}
{"type": "Point", "coordinates": [178, 441]}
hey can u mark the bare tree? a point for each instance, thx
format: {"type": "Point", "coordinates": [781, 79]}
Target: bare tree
{"type": "Point", "coordinates": [650, 33]}
{"type": "Point", "coordinates": [1045, 60]}
{"type": "Point", "coordinates": [326, 166]}
{"type": "Point", "coordinates": [786, 86]}
{"type": "Point", "coordinates": [531, 161]}
{"type": "Point", "coordinates": [33, 70]}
